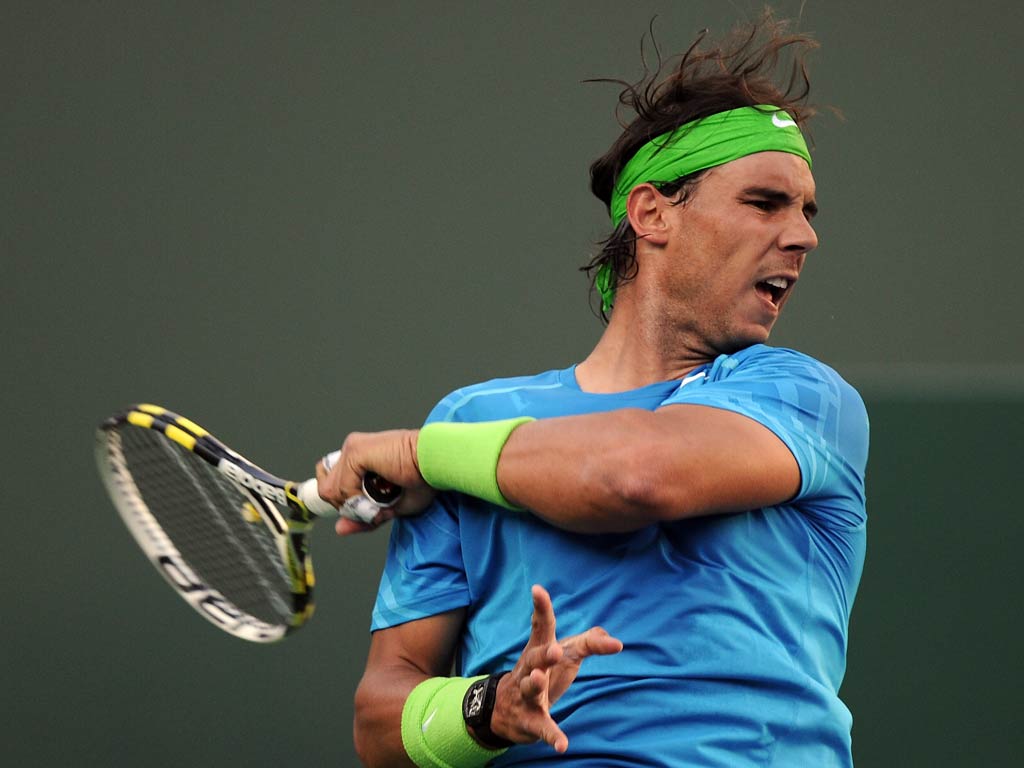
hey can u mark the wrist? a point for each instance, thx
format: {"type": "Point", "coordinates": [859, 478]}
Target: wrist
{"type": "Point", "coordinates": [464, 456]}
{"type": "Point", "coordinates": [435, 733]}
{"type": "Point", "coordinates": [478, 710]}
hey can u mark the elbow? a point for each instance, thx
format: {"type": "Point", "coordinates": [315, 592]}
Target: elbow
{"type": "Point", "coordinates": [361, 736]}
{"type": "Point", "coordinates": [639, 491]}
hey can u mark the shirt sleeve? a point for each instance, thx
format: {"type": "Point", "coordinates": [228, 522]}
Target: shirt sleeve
{"type": "Point", "coordinates": [423, 573]}
{"type": "Point", "coordinates": [820, 418]}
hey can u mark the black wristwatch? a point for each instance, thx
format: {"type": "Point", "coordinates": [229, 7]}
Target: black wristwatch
{"type": "Point", "coordinates": [477, 708]}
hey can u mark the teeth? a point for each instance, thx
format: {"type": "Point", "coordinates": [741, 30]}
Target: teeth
{"type": "Point", "coordinates": [778, 282]}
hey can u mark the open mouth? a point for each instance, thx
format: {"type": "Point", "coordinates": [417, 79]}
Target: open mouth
{"type": "Point", "coordinates": [773, 289]}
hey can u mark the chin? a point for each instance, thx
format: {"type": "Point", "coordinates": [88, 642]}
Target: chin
{"type": "Point", "coordinates": [746, 339]}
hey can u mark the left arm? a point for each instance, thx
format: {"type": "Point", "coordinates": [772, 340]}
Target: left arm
{"type": "Point", "coordinates": [626, 469]}
{"type": "Point", "coordinates": [615, 471]}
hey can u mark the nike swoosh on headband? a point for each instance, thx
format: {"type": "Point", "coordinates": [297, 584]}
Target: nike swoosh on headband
{"type": "Point", "coordinates": [781, 122]}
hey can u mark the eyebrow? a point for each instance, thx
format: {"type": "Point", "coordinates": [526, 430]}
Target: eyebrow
{"type": "Point", "coordinates": [781, 198]}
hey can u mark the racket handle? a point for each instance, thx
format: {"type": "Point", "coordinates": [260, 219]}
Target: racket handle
{"type": "Point", "coordinates": [378, 493]}
{"type": "Point", "coordinates": [375, 487]}
{"type": "Point", "coordinates": [309, 496]}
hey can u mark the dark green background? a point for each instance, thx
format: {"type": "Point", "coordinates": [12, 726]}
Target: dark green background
{"type": "Point", "coordinates": [289, 221]}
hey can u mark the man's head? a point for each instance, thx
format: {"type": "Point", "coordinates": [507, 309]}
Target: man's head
{"type": "Point", "coordinates": [680, 124]}
{"type": "Point", "coordinates": [713, 273]}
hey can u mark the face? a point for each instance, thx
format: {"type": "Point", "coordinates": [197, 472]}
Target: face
{"type": "Point", "coordinates": [734, 250]}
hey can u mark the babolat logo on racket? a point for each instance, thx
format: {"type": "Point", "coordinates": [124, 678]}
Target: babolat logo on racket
{"type": "Point", "coordinates": [213, 604]}
{"type": "Point", "coordinates": [246, 480]}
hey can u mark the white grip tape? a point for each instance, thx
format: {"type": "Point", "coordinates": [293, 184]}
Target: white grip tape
{"type": "Point", "coordinates": [360, 508]}
{"type": "Point", "coordinates": [309, 496]}
{"type": "Point", "coordinates": [330, 460]}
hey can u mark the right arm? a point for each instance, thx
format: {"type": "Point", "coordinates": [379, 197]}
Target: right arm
{"type": "Point", "coordinates": [400, 658]}
{"type": "Point", "coordinates": [404, 656]}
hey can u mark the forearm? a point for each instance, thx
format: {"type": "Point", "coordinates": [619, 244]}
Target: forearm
{"type": "Point", "coordinates": [607, 472]}
{"type": "Point", "coordinates": [626, 469]}
{"type": "Point", "coordinates": [379, 700]}
{"type": "Point", "coordinates": [400, 658]}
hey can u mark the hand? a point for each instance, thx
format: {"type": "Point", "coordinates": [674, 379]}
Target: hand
{"type": "Point", "coordinates": [392, 455]}
{"type": "Point", "coordinates": [545, 670]}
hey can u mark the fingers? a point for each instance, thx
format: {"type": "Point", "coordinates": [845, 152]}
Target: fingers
{"type": "Point", "coordinates": [554, 736]}
{"type": "Point", "coordinates": [343, 480]}
{"type": "Point", "coordinates": [534, 685]}
{"type": "Point", "coordinates": [594, 642]}
{"type": "Point", "coordinates": [542, 625]}
{"type": "Point", "coordinates": [521, 712]}
{"type": "Point", "coordinates": [545, 670]}
{"type": "Point", "coordinates": [345, 526]}
{"type": "Point", "coordinates": [542, 649]}
{"type": "Point", "coordinates": [539, 658]}
{"type": "Point", "coordinates": [561, 741]}
{"type": "Point", "coordinates": [390, 454]}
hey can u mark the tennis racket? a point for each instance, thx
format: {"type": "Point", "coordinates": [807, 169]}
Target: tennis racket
{"type": "Point", "coordinates": [229, 537]}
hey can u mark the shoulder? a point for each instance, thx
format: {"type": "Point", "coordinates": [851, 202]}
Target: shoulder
{"type": "Point", "coordinates": [488, 399]}
{"type": "Point", "coordinates": [761, 356]}
{"type": "Point", "coordinates": [779, 367]}
{"type": "Point", "coordinates": [806, 402]}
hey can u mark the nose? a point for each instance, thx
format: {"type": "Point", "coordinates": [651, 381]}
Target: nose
{"type": "Point", "coordinates": [798, 235]}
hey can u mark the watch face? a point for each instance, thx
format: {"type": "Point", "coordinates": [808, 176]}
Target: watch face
{"type": "Point", "coordinates": [474, 702]}
{"type": "Point", "coordinates": [477, 708]}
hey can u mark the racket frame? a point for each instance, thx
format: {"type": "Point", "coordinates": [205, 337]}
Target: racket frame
{"type": "Point", "coordinates": [268, 494]}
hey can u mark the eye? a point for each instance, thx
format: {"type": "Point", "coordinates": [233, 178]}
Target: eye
{"type": "Point", "coordinates": [763, 205]}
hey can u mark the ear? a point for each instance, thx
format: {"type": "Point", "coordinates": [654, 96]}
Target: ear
{"type": "Point", "coordinates": [645, 208]}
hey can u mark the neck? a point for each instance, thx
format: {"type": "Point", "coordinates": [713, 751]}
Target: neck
{"type": "Point", "coordinates": [637, 349]}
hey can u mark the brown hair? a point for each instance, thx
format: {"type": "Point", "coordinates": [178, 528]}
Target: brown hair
{"type": "Point", "coordinates": [740, 70]}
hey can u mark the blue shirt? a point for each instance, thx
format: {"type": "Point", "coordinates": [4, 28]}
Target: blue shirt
{"type": "Point", "coordinates": [734, 626]}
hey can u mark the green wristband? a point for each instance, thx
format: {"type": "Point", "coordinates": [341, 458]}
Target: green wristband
{"type": "Point", "coordinates": [464, 457]}
{"type": "Point", "coordinates": [433, 729]}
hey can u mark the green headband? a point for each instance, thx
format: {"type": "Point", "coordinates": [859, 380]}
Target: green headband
{"type": "Point", "coordinates": [696, 146]}
{"type": "Point", "coordinates": [705, 143]}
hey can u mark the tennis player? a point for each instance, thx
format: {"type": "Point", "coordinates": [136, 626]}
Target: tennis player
{"type": "Point", "coordinates": [687, 502]}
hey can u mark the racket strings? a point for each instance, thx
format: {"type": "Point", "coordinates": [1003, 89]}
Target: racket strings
{"type": "Point", "coordinates": [214, 524]}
